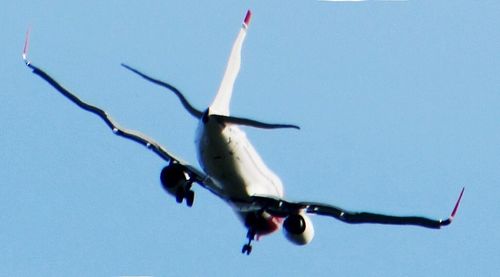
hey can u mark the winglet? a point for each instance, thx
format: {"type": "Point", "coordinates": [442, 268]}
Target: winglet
{"type": "Point", "coordinates": [248, 16]}
{"type": "Point", "coordinates": [457, 204]}
{"type": "Point", "coordinates": [26, 47]}
{"type": "Point", "coordinates": [450, 219]}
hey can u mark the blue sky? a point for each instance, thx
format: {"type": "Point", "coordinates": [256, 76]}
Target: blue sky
{"type": "Point", "coordinates": [399, 105]}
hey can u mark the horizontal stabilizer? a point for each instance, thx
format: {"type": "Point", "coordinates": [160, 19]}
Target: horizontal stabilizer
{"type": "Point", "coordinates": [251, 122]}
{"type": "Point", "coordinates": [192, 110]}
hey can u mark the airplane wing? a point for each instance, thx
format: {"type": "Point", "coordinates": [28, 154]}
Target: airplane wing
{"type": "Point", "coordinates": [197, 175]}
{"type": "Point", "coordinates": [281, 208]}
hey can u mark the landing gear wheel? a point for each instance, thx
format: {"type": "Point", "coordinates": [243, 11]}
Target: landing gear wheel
{"type": "Point", "coordinates": [179, 195]}
{"type": "Point", "coordinates": [189, 198]}
{"type": "Point", "coordinates": [247, 249]}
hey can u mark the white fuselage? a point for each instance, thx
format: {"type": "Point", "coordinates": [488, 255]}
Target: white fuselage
{"type": "Point", "coordinates": [227, 156]}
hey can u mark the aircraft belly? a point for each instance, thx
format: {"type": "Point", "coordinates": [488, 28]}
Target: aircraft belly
{"type": "Point", "coordinates": [227, 156]}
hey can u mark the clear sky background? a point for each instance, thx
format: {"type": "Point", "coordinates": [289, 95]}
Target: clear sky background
{"type": "Point", "coordinates": [399, 104]}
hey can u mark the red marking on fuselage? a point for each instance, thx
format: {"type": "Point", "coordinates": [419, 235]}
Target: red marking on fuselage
{"type": "Point", "coordinates": [273, 224]}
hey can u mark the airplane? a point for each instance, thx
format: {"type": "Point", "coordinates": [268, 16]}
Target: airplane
{"type": "Point", "coordinates": [231, 168]}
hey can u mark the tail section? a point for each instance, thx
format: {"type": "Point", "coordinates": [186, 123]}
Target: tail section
{"type": "Point", "coordinates": [220, 105]}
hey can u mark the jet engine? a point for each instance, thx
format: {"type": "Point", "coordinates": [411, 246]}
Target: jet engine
{"type": "Point", "coordinates": [298, 229]}
{"type": "Point", "coordinates": [175, 180]}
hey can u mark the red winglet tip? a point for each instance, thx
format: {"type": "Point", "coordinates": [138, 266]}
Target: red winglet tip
{"type": "Point", "coordinates": [248, 16]}
{"type": "Point", "coordinates": [26, 45]}
{"type": "Point", "coordinates": [457, 204]}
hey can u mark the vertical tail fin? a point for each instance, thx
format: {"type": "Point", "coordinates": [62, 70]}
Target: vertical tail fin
{"type": "Point", "coordinates": [220, 105]}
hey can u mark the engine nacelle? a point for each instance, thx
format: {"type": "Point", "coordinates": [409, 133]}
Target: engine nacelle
{"type": "Point", "coordinates": [298, 229]}
{"type": "Point", "coordinates": [172, 177]}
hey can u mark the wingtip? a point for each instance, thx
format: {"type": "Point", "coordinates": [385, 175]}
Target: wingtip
{"type": "Point", "coordinates": [248, 16]}
{"type": "Point", "coordinates": [131, 69]}
{"type": "Point", "coordinates": [26, 47]}
{"type": "Point", "coordinates": [455, 209]}
{"type": "Point", "coordinates": [125, 65]}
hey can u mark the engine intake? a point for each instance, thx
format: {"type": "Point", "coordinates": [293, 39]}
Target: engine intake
{"type": "Point", "coordinates": [298, 229]}
{"type": "Point", "coordinates": [295, 224]}
{"type": "Point", "coordinates": [173, 176]}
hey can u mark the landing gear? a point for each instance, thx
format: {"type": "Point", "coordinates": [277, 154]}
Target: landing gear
{"type": "Point", "coordinates": [189, 198]}
{"type": "Point", "coordinates": [247, 248]}
{"type": "Point", "coordinates": [179, 195]}
{"type": "Point", "coordinates": [185, 193]}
